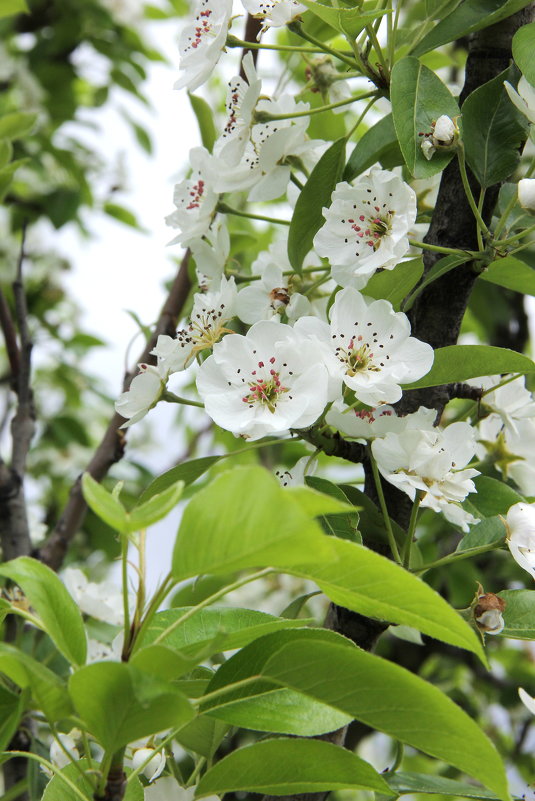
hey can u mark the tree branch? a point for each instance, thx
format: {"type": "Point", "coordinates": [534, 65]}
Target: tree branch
{"type": "Point", "coordinates": [112, 446]}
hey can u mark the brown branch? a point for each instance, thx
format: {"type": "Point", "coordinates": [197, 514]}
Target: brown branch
{"type": "Point", "coordinates": [10, 335]}
{"type": "Point", "coordinates": [253, 26]}
{"type": "Point", "coordinates": [112, 446]}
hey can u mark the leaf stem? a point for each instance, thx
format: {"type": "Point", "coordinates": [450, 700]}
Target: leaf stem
{"type": "Point", "coordinates": [210, 600]}
{"type": "Point", "coordinates": [410, 531]}
{"type": "Point", "coordinates": [439, 249]}
{"type": "Point", "coordinates": [233, 41]}
{"type": "Point", "coordinates": [384, 509]}
{"type": "Point", "coordinates": [458, 555]}
{"type": "Point", "coordinates": [224, 209]}
{"type": "Point", "coordinates": [500, 225]}
{"type": "Point", "coordinates": [482, 227]}
{"type": "Point", "coordinates": [265, 116]}
{"type": "Point", "coordinates": [296, 28]}
{"type": "Point", "coordinates": [521, 234]}
{"type": "Point", "coordinates": [170, 397]}
{"type": "Point", "coordinates": [224, 690]}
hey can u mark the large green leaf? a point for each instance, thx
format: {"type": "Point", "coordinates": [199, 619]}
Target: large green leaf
{"type": "Point", "coordinates": [48, 691]}
{"type": "Point", "coordinates": [493, 130]}
{"type": "Point", "coordinates": [379, 141]}
{"type": "Point", "coordinates": [366, 582]}
{"type": "Point", "coordinates": [519, 614]}
{"type": "Point", "coordinates": [394, 285]}
{"type": "Point", "coordinates": [187, 472]}
{"type": "Point", "coordinates": [329, 668]}
{"type": "Point", "coordinates": [402, 783]}
{"type": "Point", "coordinates": [55, 608]}
{"type": "Point", "coordinates": [288, 766]}
{"type": "Point", "coordinates": [441, 267]}
{"type": "Point", "coordinates": [461, 362]}
{"type": "Point", "coordinates": [307, 218]}
{"type": "Point", "coordinates": [489, 530]}
{"type": "Point", "coordinates": [245, 519]}
{"type": "Point", "coordinates": [120, 703]}
{"type": "Point", "coordinates": [226, 628]}
{"type": "Point", "coordinates": [418, 99]}
{"type": "Point", "coordinates": [512, 274]}
{"type": "Point", "coordinates": [523, 48]}
{"type": "Point", "coordinates": [493, 497]}
{"type": "Point", "coordinates": [157, 507]}
{"type": "Point", "coordinates": [470, 16]}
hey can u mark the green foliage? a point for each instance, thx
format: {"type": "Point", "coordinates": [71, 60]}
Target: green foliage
{"type": "Point", "coordinates": [512, 274]}
{"type": "Point", "coordinates": [523, 44]}
{"type": "Point", "coordinates": [283, 766]}
{"type": "Point", "coordinates": [378, 143]}
{"type": "Point", "coordinates": [461, 362]}
{"type": "Point", "coordinates": [59, 790]}
{"type": "Point", "coordinates": [519, 614]}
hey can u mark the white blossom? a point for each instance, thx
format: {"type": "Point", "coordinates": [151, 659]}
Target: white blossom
{"type": "Point", "coordinates": [523, 98]}
{"type": "Point", "coordinates": [264, 383]}
{"type": "Point", "coordinates": [366, 226]}
{"type": "Point", "coordinates": [295, 477]}
{"type": "Point", "coordinates": [369, 346]}
{"type": "Point", "coordinates": [211, 254]}
{"type": "Point", "coordinates": [526, 193]}
{"type": "Point", "coordinates": [443, 135]}
{"type": "Point", "coordinates": [144, 393]}
{"type": "Point", "coordinates": [512, 447]}
{"type": "Point", "coordinates": [367, 424]}
{"type": "Point", "coordinates": [202, 41]}
{"type": "Point", "coordinates": [211, 311]}
{"type": "Point", "coordinates": [527, 700]}
{"type": "Point", "coordinates": [274, 12]}
{"type": "Point", "coordinates": [102, 600]}
{"type": "Point", "coordinates": [260, 169]}
{"type": "Point", "coordinates": [273, 294]}
{"type": "Point", "coordinates": [242, 97]}
{"type": "Point", "coordinates": [520, 524]}
{"type": "Point", "coordinates": [431, 462]}
{"type": "Point", "coordinates": [195, 200]}
{"type": "Point", "coordinates": [156, 764]}
{"type": "Point", "coordinates": [512, 401]}
{"type": "Point", "coordinates": [58, 756]}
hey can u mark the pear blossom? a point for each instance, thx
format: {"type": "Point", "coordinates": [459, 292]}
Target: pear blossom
{"type": "Point", "coordinates": [144, 393]}
{"type": "Point", "coordinates": [367, 424]}
{"type": "Point", "coordinates": [211, 311]}
{"type": "Point", "coordinates": [274, 13]}
{"type": "Point", "coordinates": [154, 766]}
{"type": "Point", "coordinates": [526, 193]}
{"type": "Point", "coordinates": [211, 254]}
{"type": "Point", "coordinates": [527, 700]}
{"type": "Point", "coordinates": [102, 600]}
{"type": "Point", "coordinates": [366, 226]}
{"type": "Point", "coordinates": [202, 41]}
{"type": "Point", "coordinates": [432, 463]}
{"type": "Point", "coordinates": [242, 97]}
{"type": "Point", "coordinates": [368, 345]}
{"type": "Point", "coordinates": [512, 447]}
{"type": "Point", "coordinates": [520, 524]}
{"type": "Point", "coordinates": [512, 401]}
{"type": "Point", "coordinates": [295, 477]}
{"type": "Point", "coordinates": [63, 751]}
{"type": "Point", "coordinates": [523, 97]}
{"type": "Point", "coordinates": [272, 295]}
{"type": "Point", "coordinates": [264, 383]}
{"type": "Point", "coordinates": [195, 199]}
{"type": "Point", "coordinates": [261, 169]}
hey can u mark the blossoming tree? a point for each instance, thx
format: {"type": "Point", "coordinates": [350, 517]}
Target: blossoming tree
{"type": "Point", "coordinates": [343, 227]}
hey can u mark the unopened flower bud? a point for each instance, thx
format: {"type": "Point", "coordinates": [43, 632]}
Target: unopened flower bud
{"type": "Point", "coordinates": [488, 610]}
{"type": "Point", "coordinates": [154, 767]}
{"type": "Point", "coordinates": [428, 149]}
{"type": "Point", "coordinates": [445, 131]}
{"type": "Point", "coordinates": [526, 193]}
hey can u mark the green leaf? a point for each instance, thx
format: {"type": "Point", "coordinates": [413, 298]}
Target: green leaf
{"type": "Point", "coordinates": [156, 508]}
{"type": "Point", "coordinates": [493, 130]}
{"type": "Point", "coordinates": [461, 362]}
{"type": "Point", "coordinates": [379, 141]}
{"type": "Point", "coordinates": [493, 497]}
{"type": "Point", "coordinates": [373, 585]}
{"type": "Point", "coordinates": [55, 608]}
{"type": "Point", "coordinates": [6, 151]}
{"type": "Point", "coordinates": [489, 530]}
{"type": "Point", "coordinates": [402, 783]}
{"type": "Point", "coordinates": [519, 614]}
{"type": "Point", "coordinates": [307, 217]}
{"type": "Point", "coordinates": [187, 472]}
{"type": "Point", "coordinates": [350, 21]}
{"type": "Point", "coordinates": [470, 16]}
{"type": "Point", "coordinates": [419, 98]}
{"type": "Point", "coordinates": [205, 120]}
{"type": "Point", "coordinates": [338, 525]}
{"type": "Point", "coordinates": [122, 214]}
{"type": "Point", "coordinates": [17, 124]}
{"type": "Point", "coordinates": [227, 628]}
{"type": "Point", "coordinates": [165, 663]}
{"type": "Point", "coordinates": [512, 274]}
{"type": "Point", "coordinates": [273, 528]}
{"type": "Point", "coordinates": [120, 703]}
{"type": "Point", "coordinates": [8, 7]}
{"type": "Point", "coordinates": [202, 735]}
{"type": "Point", "coordinates": [48, 691]}
{"type": "Point", "coordinates": [394, 285]}
{"type": "Point", "coordinates": [11, 711]}
{"type": "Point", "coordinates": [440, 268]}
{"type": "Point", "coordinates": [58, 790]}
{"type": "Point", "coordinates": [287, 766]}
{"type": "Point", "coordinates": [104, 504]}
{"type": "Point", "coordinates": [329, 668]}
{"type": "Point", "coordinates": [320, 498]}
{"type": "Point", "coordinates": [523, 47]}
